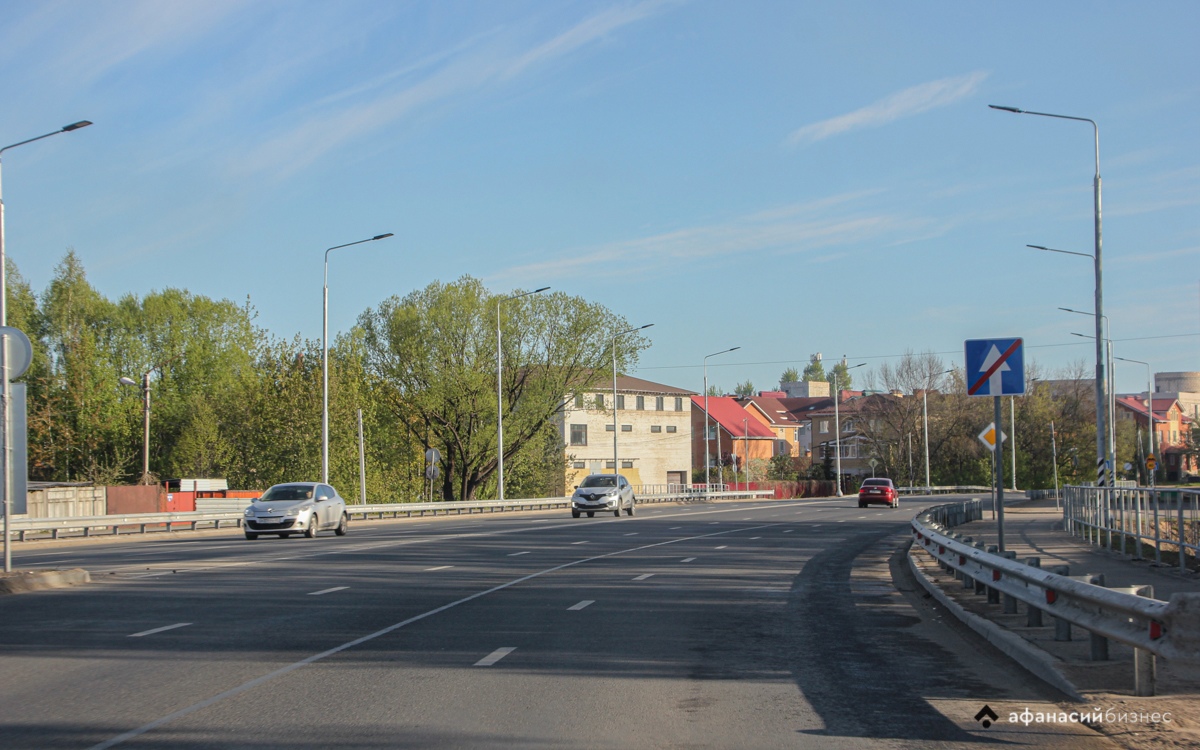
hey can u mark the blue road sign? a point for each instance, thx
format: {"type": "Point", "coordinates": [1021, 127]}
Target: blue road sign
{"type": "Point", "coordinates": [995, 367]}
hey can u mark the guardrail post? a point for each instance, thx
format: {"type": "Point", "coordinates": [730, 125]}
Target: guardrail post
{"type": "Point", "coordinates": [1180, 536]}
{"type": "Point", "coordinates": [968, 581]}
{"type": "Point", "coordinates": [1010, 602]}
{"type": "Point", "coordinates": [980, 587]}
{"type": "Point", "coordinates": [1099, 642]}
{"type": "Point", "coordinates": [1033, 615]}
{"type": "Point", "coordinates": [993, 593]}
{"type": "Point", "coordinates": [1062, 628]}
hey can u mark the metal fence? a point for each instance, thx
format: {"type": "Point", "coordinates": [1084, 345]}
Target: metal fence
{"type": "Point", "coordinates": [56, 528]}
{"type": "Point", "coordinates": [1138, 521]}
{"type": "Point", "coordinates": [1127, 615]}
{"type": "Point", "coordinates": [948, 490]}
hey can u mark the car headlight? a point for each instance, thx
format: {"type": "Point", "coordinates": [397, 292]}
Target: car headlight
{"type": "Point", "coordinates": [249, 513]}
{"type": "Point", "coordinates": [295, 511]}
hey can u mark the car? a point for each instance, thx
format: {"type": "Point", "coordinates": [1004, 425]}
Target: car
{"type": "Point", "coordinates": [296, 508]}
{"type": "Point", "coordinates": [878, 491]}
{"type": "Point", "coordinates": [603, 492]}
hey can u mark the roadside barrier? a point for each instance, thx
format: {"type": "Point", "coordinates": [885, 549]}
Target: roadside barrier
{"type": "Point", "coordinates": [1132, 520]}
{"type": "Point", "coordinates": [1154, 628]}
{"type": "Point", "coordinates": [88, 526]}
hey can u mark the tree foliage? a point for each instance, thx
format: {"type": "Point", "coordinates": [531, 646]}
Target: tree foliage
{"type": "Point", "coordinates": [744, 389]}
{"type": "Point", "coordinates": [814, 370]}
{"type": "Point", "coordinates": [790, 375]}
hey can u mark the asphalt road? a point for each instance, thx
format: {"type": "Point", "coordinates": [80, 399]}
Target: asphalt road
{"type": "Point", "coordinates": [740, 625]}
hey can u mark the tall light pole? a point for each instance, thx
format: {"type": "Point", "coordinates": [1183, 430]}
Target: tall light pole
{"type": "Point", "coordinates": [707, 461]}
{"type": "Point", "coordinates": [837, 427]}
{"type": "Point", "coordinates": [1149, 408]}
{"type": "Point", "coordinates": [925, 418]}
{"type": "Point", "coordinates": [617, 427]}
{"type": "Point", "coordinates": [499, 392]}
{"type": "Point", "coordinates": [1111, 384]}
{"type": "Point", "coordinates": [5, 394]}
{"type": "Point", "coordinates": [1101, 453]}
{"type": "Point", "coordinates": [325, 356]}
{"type": "Point", "coordinates": [145, 420]}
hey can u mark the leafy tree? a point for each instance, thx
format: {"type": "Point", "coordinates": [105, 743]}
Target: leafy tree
{"type": "Point", "coordinates": [744, 389]}
{"type": "Point", "coordinates": [842, 373]}
{"type": "Point", "coordinates": [814, 370]}
{"type": "Point", "coordinates": [790, 375]}
{"type": "Point", "coordinates": [432, 355]}
{"type": "Point", "coordinates": [714, 390]}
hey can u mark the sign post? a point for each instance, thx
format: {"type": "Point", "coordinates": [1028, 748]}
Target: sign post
{"type": "Point", "coordinates": [996, 368]}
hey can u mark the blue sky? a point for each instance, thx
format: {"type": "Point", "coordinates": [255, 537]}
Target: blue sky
{"type": "Point", "coordinates": [782, 176]}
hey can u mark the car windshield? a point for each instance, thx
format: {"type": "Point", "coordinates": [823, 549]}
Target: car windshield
{"type": "Point", "coordinates": [877, 483]}
{"type": "Point", "coordinates": [285, 493]}
{"type": "Point", "coordinates": [599, 481]}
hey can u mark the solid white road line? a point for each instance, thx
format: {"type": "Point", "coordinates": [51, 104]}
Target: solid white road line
{"type": "Point", "coordinates": [327, 591]}
{"type": "Point", "coordinates": [687, 559]}
{"type": "Point", "coordinates": [643, 576]}
{"type": "Point", "coordinates": [159, 630]}
{"type": "Point", "coordinates": [495, 656]}
{"type": "Point", "coordinates": [440, 567]}
{"type": "Point", "coordinates": [514, 554]}
{"type": "Point", "coordinates": [581, 605]}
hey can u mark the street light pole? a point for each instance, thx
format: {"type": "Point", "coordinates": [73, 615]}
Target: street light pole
{"type": "Point", "coordinates": [5, 390]}
{"type": "Point", "coordinates": [1112, 390]}
{"type": "Point", "coordinates": [837, 427]}
{"type": "Point", "coordinates": [1101, 453]}
{"type": "Point", "coordinates": [617, 427]}
{"type": "Point", "coordinates": [325, 356]}
{"type": "Point", "coordinates": [499, 392]}
{"type": "Point", "coordinates": [1149, 410]}
{"type": "Point", "coordinates": [925, 417]}
{"type": "Point", "coordinates": [707, 460]}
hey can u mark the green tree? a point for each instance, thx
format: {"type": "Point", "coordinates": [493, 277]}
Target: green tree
{"type": "Point", "coordinates": [744, 389]}
{"type": "Point", "coordinates": [814, 370]}
{"type": "Point", "coordinates": [790, 375]}
{"type": "Point", "coordinates": [842, 373]}
{"type": "Point", "coordinates": [714, 390]}
{"type": "Point", "coordinates": [432, 355]}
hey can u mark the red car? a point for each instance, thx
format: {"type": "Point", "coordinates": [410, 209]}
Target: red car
{"type": "Point", "coordinates": [878, 491]}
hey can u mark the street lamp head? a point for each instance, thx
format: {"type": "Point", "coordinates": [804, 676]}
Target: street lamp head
{"type": "Point", "coordinates": [382, 236]}
{"type": "Point", "coordinates": [76, 125]}
{"type": "Point", "coordinates": [126, 381]}
{"type": "Point", "coordinates": [1007, 109]}
{"type": "Point", "coordinates": [1039, 247]}
{"type": "Point", "coordinates": [535, 291]}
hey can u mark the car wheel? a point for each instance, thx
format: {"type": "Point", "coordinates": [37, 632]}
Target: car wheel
{"type": "Point", "coordinates": [629, 510]}
{"type": "Point", "coordinates": [342, 526]}
{"type": "Point", "coordinates": [311, 531]}
{"type": "Point", "coordinates": [862, 504]}
{"type": "Point", "coordinates": [574, 514]}
{"type": "Point", "coordinates": [250, 535]}
{"type": "Point", "coordinates": [617, 512]}
{"type": "Point", "coordinates": [591, 514]}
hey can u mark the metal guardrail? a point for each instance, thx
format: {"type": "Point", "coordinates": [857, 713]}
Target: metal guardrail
{"type": "Point", "coordinates": [1170, 630]}
{"type": "Point", "coordinates": [947, 490]}
{"type": "Point", "coordinates": [1119, 518]}
{"type": "Point", "coordinates": [145, 522]}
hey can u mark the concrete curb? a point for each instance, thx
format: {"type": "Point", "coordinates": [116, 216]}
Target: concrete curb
{"type": "Point", "coordinates": [37, 580]}
{"type": "Point", "coordinates": [1038, 662]}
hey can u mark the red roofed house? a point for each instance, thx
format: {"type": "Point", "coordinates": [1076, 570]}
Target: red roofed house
{"type": "Point", "coordinates": [732, 434]}
{"type": "Point", "coordinates": [1171, 428]}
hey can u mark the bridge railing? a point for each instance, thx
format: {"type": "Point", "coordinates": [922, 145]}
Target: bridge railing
{"type": "Point", "coordinates": [1132, 520]}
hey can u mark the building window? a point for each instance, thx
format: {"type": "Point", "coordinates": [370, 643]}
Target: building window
{"type": "Point", "coordinates": [578, 434]}
{"type": "Point", "coordinates": [712, 432]}
{"type": "Point", "coordinates": [641, 403]}
{"type": "Point", "coordinates": [608, 428]}
{"type": "Point", "coordinates": [626, 428]}
{"type": "Point", "coordinates": [578, 400]}
{"type": "Point", "coordinates": [578, 464]}
{"type": "Point", "coordinates": [600, 401]}
{"type": "Point", "coordinates": [627, 464]}
{"type": "Point", "coordinates": [620, 401]}
{"type": "Point", "coordinates": [658, 403]}
{"type": "Point", "coordinates": [848, 425]}
{"type": "Point", "coordinates": [672, 428]}
{"type": "Point", "coordinates": [656, 428]}
{"type": "Point", "coordinates": [609, 465]}
{"type": "Point", "coordinates": [678, 403]}
{"type": "Point", "coordinates": [824, 425]}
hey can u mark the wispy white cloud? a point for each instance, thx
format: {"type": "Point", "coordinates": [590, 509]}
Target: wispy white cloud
{"type": "Point", "coordinates": [790, 229]}
{"type": "Point", "coordinates": [905, 103]}
{"type": "Point", "coordinates": [463, 69]}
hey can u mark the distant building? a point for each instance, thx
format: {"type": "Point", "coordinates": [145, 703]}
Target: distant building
{"type": "Point", "coordinates": [654, 444]}
{"type": "Point", "coordinates": [732, 434]}
{"type": "Point", "coordinates": [805, 389]}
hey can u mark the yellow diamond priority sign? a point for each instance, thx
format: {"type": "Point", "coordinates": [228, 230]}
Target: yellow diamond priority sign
{"type": "Point", "coordinates": [988, 436]}
{"type": "Point", "coordinates": [1151, 462]}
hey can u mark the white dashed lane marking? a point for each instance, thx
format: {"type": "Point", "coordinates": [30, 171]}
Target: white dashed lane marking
{"type": "Point", "coordinates": [581, 605]}
{"type": "Point", "coordinates": [159, 630]}
{"type": "Point", "coordinates": [327, 591]}
{"type": "Point", "coordinates": [514, 554]}
{"type": "Point", "coordinates": [495, 656]}
{"type": "Point", "coordinates": [643, 576]}
{"type": "Point", "coordinates": [440, 567]}
{"type": "Point", "coordinates": [687, 559]}
{"type": "Point", "coordinates": [723, 546]}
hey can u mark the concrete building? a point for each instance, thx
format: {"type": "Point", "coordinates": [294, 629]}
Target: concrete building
{"type": "Point", "coordinates": [805, 389]}
{"type": "Point", "coordinates": [654, 439]}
